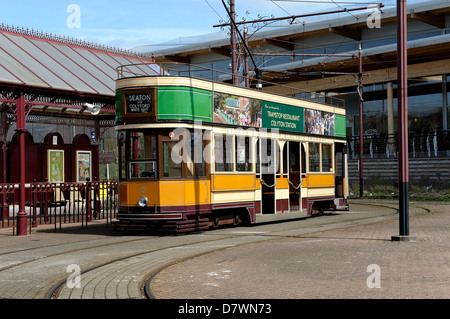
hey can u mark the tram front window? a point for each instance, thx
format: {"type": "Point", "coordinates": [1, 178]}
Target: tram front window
{"type": "Point", "coordinates": [142, 162]}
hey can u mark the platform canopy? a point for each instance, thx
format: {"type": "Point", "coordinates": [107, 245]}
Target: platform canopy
{"type": "Point", "coordinates": [61, 74]}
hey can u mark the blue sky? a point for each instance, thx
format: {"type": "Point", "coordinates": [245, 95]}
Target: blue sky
{"type": "Point", "coordinates": [126, 24]}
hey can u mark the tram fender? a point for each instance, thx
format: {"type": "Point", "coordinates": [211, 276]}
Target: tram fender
{"type": "Point", "coordinates": [251, 215]}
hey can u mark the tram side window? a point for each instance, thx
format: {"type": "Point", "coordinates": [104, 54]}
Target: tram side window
{"type": "Point", "coordinates": [143, 146]}
{"type": "Point", "coordinates": [314, 157]}
{"type": "Point", "coordinates": [223, 153]}
{"type": "Point", "coordinates": [196, 163]}
{"type": "Point", "coordinates": [243, 163]}
{"type": "Point", "coordinates": [171, 159]}
{"type": "Point", "coordinates": [122, 155]}
{"type": "Point", "coordinates": [326, 158]}
{"type": "Point", "coordinates": [285, 158]}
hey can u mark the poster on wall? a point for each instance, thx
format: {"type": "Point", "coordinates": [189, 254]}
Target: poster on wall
{"type": "Point", "coordinates": [55, 166]}
{"type": "Point", "coordinates": [319, 122]}
{"type": "Point", "coordinates": [83, 166]}
{"type": "Point", "coordinates": [236, 110]}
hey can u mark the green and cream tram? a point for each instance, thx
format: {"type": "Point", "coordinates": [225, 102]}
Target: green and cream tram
{"type": "Point", "coordinates": [195, 154]}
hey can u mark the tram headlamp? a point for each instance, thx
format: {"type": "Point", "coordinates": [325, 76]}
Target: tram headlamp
{"type": "Point", "coordinates": [142, 201]}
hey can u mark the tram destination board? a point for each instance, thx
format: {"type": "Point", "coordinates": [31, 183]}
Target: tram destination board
{"type": "Point", "coordinates": [140, 102]}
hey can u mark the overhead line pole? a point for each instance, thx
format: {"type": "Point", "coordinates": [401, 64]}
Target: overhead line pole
{"type": "Point", "coordinates": [361, 124]}
{"type": "Point", "coordinates": [233, 43]}
{"type": "Point", "coordinates": [402, 96]}
{"type": "Point", "coordinates": [233, 22]}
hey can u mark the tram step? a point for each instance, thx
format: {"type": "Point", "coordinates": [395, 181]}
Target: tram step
{"type": "Point", "coordinates": [181, 226]}
{"type": "Point", "coordinates": [184, 224]}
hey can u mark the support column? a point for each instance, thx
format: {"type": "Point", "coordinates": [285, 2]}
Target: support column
{"type": "Point", "coordinates": [361, 124]}
{"type": "Point", "coordinates": [3, 134]}
{"type": "Point", "coordinates": [402, 95]}
{"type": "Point", "coordinates": [390, 105]}
{"type": "Point", "coordinates": [20, 120]}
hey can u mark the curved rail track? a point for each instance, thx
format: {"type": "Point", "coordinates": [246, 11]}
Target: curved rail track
{"type": "Point", "coordinates": [116, 266]}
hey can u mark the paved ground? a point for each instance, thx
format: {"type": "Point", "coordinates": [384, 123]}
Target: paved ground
{"type": "Point", "coordinates": [332, 256]}
{"type": "Point", "coordinates": [354, 262]}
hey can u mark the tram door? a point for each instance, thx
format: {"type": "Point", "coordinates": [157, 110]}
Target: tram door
{"type": "Point", "coordinates": [268, 167]}
{"type": "Point", "coordinates": [340, 169]}
{"type": "Point", "coordinates": [294, 175]}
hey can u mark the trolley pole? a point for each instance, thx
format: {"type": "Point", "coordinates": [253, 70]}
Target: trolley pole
{"type": "Point", "coordinates": [402, 96]}
{"type": "Point", "coordinates": [361, 137]}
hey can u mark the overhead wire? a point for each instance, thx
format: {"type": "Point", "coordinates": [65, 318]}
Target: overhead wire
{"type": "Point", "coordinates": [209, 4]}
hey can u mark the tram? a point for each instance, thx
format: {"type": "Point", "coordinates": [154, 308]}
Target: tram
{"type": "Point", "coordinates": [195, 154]}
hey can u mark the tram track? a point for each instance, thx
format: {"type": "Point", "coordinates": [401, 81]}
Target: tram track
{"type": "Point", "coordinates": [4, 268]}
{"type": "Point", "coordinates": [147, 291]}
{"type": "Point", "coordinates": [132, 268]}
{"type": "Point", "coordinates": [54, 292]}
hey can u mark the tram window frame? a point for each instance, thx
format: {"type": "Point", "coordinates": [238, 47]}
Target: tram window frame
{"type": "Point", "coordinates": [197, 167]}
{"type": "Point", "coordinates": [163, 158]}
{"type": "Point", "coordinates": [122, 154]}
{"type": "Point", "coordinates": [267, 148]}
{"type": "Point", "coordinates": [317, 163]}
{"type": "Point", "coordinates": [243, 150]}
{"type": "Point", "coordinates": [143, 173]}
{"type": "Point", "coordinates": [329, 159]}
{"type": "Point", "coordinates": [257, 158]}
{"type": "Point", "coordinates": [284, 160]}
{"type": "Point", "coordinates": [187, 150]}
{"type": "Point", "coordinates": [223, 151]}
{"type": "Point", "coordinates": [138, 163]}
{"type": "Point", "coordinates": [329, 169]}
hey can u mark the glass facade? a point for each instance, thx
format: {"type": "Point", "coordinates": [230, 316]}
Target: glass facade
{"type": "Point", "coordinates": [427, 106]}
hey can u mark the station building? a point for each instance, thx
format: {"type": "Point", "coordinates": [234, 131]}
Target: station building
{"type": "Point", "coordinates": [57, 78]}
{"type": "Point", "coordinates": [322, 57]}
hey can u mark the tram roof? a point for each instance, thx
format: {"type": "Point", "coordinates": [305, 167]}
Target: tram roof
{"type": "Point", "coordinates": [34, 59]}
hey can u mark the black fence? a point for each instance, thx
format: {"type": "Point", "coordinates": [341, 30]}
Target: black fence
{"type": "Point", "coordinates": [60, 203]}
{"type": "Point", "coordinates": [434, 143]}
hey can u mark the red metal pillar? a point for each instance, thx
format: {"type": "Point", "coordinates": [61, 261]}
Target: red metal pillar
{"type": "Point", "coordinates": [20, 121]}
{"type": "Point", "coordinates": [402, 96]}
{"type": "Point", "coordinates": [233, 43]}
{"type": "Point", "coordinates": [361, 124]}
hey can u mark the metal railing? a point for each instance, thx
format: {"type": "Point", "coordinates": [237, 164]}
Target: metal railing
{"type": "Point", "coordinates": [434, 143]}
{"type": "Point", "coordinates": [204, 73]}
{"type": "Point", "coordinates": [60, 203]}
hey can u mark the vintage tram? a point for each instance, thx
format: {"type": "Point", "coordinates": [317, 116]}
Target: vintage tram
{"type": "Point", "coordinates": [197, 153]}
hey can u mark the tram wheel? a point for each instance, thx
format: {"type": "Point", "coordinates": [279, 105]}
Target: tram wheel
{"type": "Point", "coordinates": [236, 219]}
{"type": "Point", "coordinates": [215, 221]}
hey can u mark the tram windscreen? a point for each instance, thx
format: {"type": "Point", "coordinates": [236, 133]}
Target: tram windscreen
{"type": "Point", "coordinates": [142, 162]}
